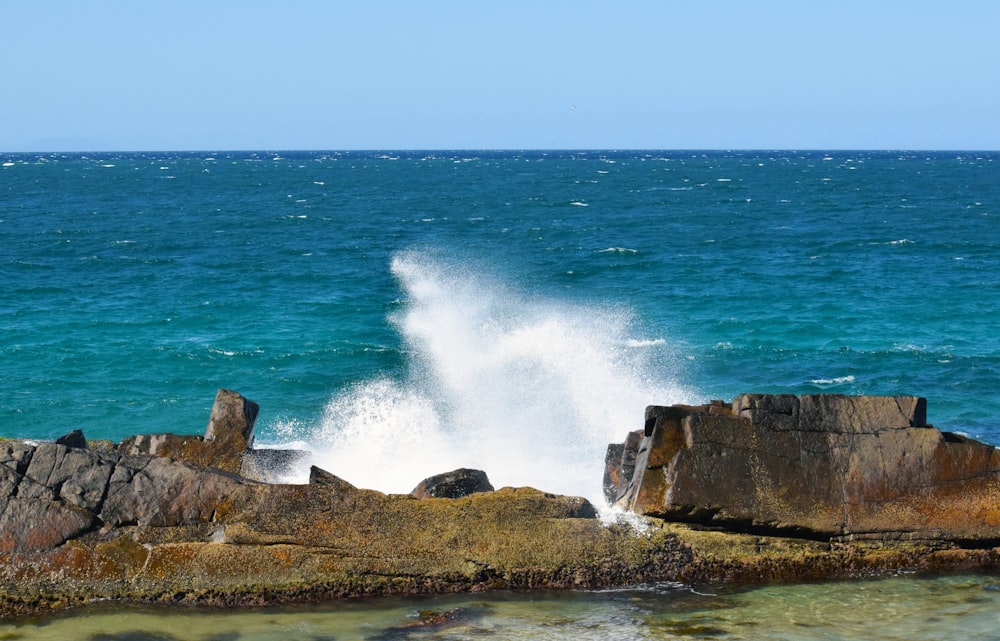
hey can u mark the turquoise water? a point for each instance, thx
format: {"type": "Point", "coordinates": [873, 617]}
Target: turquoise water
{"type": "Point", "coordinates": [898, 608]}
{"type": "Point", "coordinates": [405, 314]}
{"type": "Point", "coordinates": [475, 307]}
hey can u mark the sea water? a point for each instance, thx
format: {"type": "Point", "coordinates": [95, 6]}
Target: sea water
{"type": "Point", "coordinates": [403, 314]}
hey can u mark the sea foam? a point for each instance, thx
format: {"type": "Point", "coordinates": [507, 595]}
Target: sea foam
{"type": "Point", "coordinates": [530, 390]}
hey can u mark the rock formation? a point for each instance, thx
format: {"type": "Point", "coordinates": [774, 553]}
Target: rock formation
{"type": "Point", "coordinates": [229, 434]}
{"type": "Point", "coordinates": [164, 518]}
{"type": "Point", "coordinates": [51, 493]}
{"type": "Point", "coordinates": [176, 519]}
{"type": "Point", "coordinates": [816, 466]}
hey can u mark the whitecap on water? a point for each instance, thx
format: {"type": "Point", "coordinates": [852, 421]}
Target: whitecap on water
{"type": "Point", "coordinates": [840, 380]}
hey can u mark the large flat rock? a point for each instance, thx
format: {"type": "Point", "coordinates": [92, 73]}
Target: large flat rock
{"type": "Point", "coordinates": [816, 466]}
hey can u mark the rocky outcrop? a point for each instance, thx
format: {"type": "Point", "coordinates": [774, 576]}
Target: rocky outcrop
{"type": "Point", "coordinates": [453, 485]}
{"type": "Point", "coordinates": [229, 434]}
{"type": "Point", "coordinates": [160, 518]}
{"type": "Point", "coordinates": [126, 522]}
{"type": "Point", "coordinates": [57, 493]}
{"type": "Point", "coordinates": [51, 493]}
{"type": "Point", "coordinates": [828, 467]}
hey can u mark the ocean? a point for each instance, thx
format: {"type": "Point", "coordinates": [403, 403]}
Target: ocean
{"type": "Point", "coordinates": [401, 314]}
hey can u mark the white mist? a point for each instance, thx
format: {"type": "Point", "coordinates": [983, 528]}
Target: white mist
{"type": "Point", "coordinates": [531, 391]}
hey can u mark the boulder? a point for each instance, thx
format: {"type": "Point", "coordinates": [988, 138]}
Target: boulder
{"type": "Point", "coordinates": [816, 466]}
{"type": "Point", "coordinates": [453, 485]}
{"type": "Point", "coordinates": [47, 494]}
{"type": "Point", "coordinates": [230, 425]}
{"type": "Point", "coordinates": [619, 465]}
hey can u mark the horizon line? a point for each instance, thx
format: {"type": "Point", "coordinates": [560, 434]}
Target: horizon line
{"type": "Point", "coordinates": [278, 150]}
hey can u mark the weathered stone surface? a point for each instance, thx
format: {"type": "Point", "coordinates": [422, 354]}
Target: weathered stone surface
{"type": "Point", "coordinates": [319, 476]}
{"type": "Point", "coordinates": [77, 476]}
{"type": "Point", "coordinates": [14, 459]}
{"type": "Point", "coordinates": [453, 485]}
{"type": "Point", "coordinates": [834, 413]}
{"type": "Point", "coordinates": [230, 425]}
{"type": "Point", "coordinates": [822, 466]}
{"type": "Point", "coordinates": [37, 524]}
{"type": "Point", "coordinates": [47, 493]}
{"type": "Point", "coordinates": [161, 492]}
{"type": "Point", "coordinates": [619, 466]}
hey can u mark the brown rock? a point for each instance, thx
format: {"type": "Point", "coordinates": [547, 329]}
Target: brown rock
{"type": "Point", "coordinates": [819, 466]}
{"type": "Point", "coordinates": [230, 425]}
{"type": "Point", "coordinates": [619, 466]}
{"type": "Point", "coordinates": [228, 436]}
{"type": "Point", "coordinates": [37, 524]}
{"type": "Point", "coordinates": [318, 476]}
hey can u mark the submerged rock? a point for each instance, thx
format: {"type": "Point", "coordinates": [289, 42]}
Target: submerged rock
{"type": "Point", "coordinates": [817, 466]}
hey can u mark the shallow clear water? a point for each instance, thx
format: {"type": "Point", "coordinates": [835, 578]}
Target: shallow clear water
{"type": "Point", "coordinates": [898, 608]}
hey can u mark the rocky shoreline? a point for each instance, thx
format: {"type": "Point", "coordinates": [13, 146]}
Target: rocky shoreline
{"type": "Point", "coordinates": [767, 488]}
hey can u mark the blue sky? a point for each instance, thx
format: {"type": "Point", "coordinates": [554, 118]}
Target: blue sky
{"type": "Point", "coordinates": [510, 74]}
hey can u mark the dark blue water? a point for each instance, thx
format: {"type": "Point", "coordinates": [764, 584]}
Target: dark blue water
{"type": "Point", "coordinates": [534, 300]}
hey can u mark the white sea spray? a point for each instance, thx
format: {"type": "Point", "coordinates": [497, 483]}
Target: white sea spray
{"type": "Point", "coordinates": [529, 390]}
